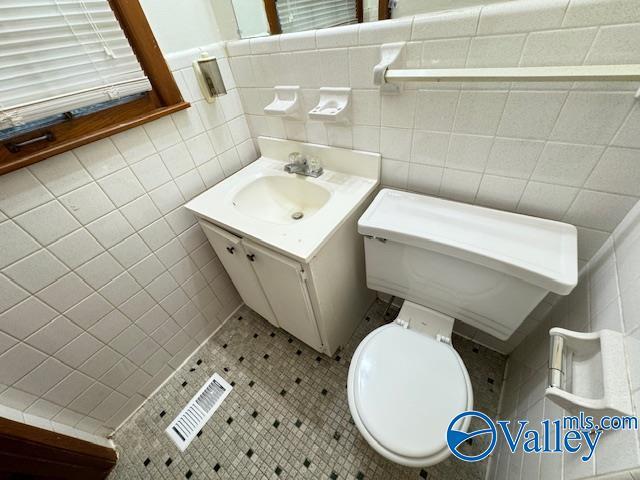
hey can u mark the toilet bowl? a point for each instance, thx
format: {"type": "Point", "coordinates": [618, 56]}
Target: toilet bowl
{"type": "Point", "coordinates": [405, 385]}
{"type": "Point", "coordinates": [448, 260]}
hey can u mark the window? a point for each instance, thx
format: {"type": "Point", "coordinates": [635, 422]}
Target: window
{"type": "Point", "coordinates": [75, 71]}
{"type": "Point", "coordinates": [286, 16]}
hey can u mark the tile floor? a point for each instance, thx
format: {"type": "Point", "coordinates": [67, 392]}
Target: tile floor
{"type": "Point", "coordinates": [287, 416]}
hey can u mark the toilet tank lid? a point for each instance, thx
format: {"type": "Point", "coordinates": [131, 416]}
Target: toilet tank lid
{"type": "Point", "coordinates": [539, 251]}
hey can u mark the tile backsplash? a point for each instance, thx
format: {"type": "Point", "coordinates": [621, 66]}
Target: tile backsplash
{"type": "Point", "coordinates": [560, 150]}
{"type": "Point", "coordinates": [107, 284]}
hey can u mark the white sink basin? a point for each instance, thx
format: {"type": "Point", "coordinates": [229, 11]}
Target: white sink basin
{"type": "Point", "coordinates": [282, 200]}
{"type": "Point", "coordinates": [261, 201]}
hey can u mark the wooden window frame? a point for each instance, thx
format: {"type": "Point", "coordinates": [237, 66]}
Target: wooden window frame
{"type": "Point", "coordinates": [271, 11]}
{"type": "Point", "coordinates": [383, 10]}
{"type": "Point", "coordinates": [164, 98]}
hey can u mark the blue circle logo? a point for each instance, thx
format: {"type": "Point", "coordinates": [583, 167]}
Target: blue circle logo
{"type": "Point", "coordinates": [456, 438]}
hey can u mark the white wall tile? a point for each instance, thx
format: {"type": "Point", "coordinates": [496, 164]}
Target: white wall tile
{"type": "Point", "coordinates": [121, 187]}
{"type": "Point", "coordinates": [395, 143]}
{"type": "Point", "coordinates": [546, 200]}
{"type": "Point", "coordinates": [385, 32]}
{"type": "Point", "coordinates": [479, 112]}
{"type": "Point", "coordinates": [602, 211]}
{"type": "Point", "coordinates": [398, 110]}
{"type": "Point", "coordinates": [395, 173]}
{"type": "Point", "coordinates": [514, 157]}
{"type": "Point", "coordinates": [461, 22]}
{"type": "Point", "coordinates": [425, 178]}
{"type": "Point", "coordinates": [110, 229]}
{"type": "Point", "coordinates": [133, 144]}
{"type": "Point", "coordinates": [298, 41]}
{"type": "Point", "coordinates": [498, 51]}
{"type": "Point", "coordinates": [100, 158]}
{"type": "Point", "coordinates": [167, 197]}
{"type": "Point", "coordinates": [468, 152]}
{"type": "Point", "coordinates": [595, 12]}
{"type": "Point", "coordinates": [566, 164]}
{"type": "Point", "coordinates": [36, 271]}
{"type": "Point", "coordinates": [511, 17]}
{"type": "Point", "coordinates": [43, 377]}
{"type": "Point", "coordinates": [177, 160]}
{"type": "Point", "coordinates": [361, 63]}
{"type": "Point", "coordinates": [65, 292]}
{"type": "Point", "coordinates": [100, 270]}
{"type": "Point", "coordinates": [436, 110]}
{"type": "Point", "coordinates": [21, 191]}
{"type": "Point", "coordinates": [449, 53]}
{"type": "Point", "coordinates": [89, 311]}
{"type": "Point", "coordinates": [335, 71]}
{"type": "Point", "coordinates": [141, 212]}
{"type": "Point", "coordinates": [557, 47]}
{"type": "Point", "coordinates": [188, 123]}
{"type": "Point", "coordinates": [26, 317]}
{"type": "Point", "coordinates": [459, 185]}
{"type": "Point", "coordinates": [16, 243]}
{"type": "Point", "coordinates": [76, 248]}
{"type": "Point", "coordinates": [87, 203]}
{"type": "Point", "coordinates": [54, 335]}
{"type": "Point", "coordinates": [531, 114]}
{"type": "Point", "coordinates": [617, 172]}
{"type": "Point", "coordinates": [107, 328]}
{"type": "Point", "coordinates": [500, 192]}
{"type": "Point", "coordinates": [346, 36]}
{"type": "Point", "coordinates": [61, 173]}
{"type": "Point", "coordinates": [429, 147]}
{"type": "Point", "coordinates": [605, 111]}
{"type": "Point", "coordinates": [163, 133]}
{"type": "Point", "coordinates": [47, 223]}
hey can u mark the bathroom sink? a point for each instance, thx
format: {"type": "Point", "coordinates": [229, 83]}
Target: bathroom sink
{"type": "Point", "coordinates": [279, 199]}
{"type": "Point", "coordinates": [292, 214]}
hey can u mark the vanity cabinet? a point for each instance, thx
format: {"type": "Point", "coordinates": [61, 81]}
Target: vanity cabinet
{"type": "Point", "coordinates": [233, 256]}
{"type": "Point", "coordinates": [319, 302]}
{"type": "Point", "coordinates": [284, 282]}
{"type": "Point", "coordinates": [269, 283]}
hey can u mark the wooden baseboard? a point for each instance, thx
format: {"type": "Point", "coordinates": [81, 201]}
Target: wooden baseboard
{"type": "Point", "coordinates": [40, 454]}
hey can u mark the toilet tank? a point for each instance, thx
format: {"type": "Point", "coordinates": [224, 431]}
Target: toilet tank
{"type": "Point", "coordinates": [485, 267]}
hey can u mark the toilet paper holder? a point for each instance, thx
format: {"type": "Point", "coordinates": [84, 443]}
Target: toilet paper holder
{"type": "Point", "coordinates": [588, 372]}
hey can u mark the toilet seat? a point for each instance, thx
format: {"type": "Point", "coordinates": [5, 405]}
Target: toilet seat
{"type": "Point", "coordinates": [404, 387]}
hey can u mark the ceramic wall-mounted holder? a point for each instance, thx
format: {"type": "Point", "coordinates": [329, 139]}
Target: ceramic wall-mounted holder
{"type": "Point", "coordinates": [334, 105]}
{"type": "Point", "coordinates": [287, 103]}
{"type": "Point", "coordinates": [588, 372]}
{"type": "Point", "coordinates": [391, 56]}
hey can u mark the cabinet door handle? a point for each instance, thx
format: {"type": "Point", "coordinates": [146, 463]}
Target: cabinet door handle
{"type": "Point", "coordinates": [251, 257]}
{"type": "Point", "coordinates": [230, 250]}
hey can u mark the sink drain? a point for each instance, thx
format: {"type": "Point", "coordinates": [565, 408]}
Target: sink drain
{"type": "Point", "coordinates": [297, 215]}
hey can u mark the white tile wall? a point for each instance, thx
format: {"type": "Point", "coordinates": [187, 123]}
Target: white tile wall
{"type": "Point", "coordinates": [606, 297]}
{"type": "Point", "coordinates": [106, 283]}
{"type": "Point", "coordinates": [548, 149]}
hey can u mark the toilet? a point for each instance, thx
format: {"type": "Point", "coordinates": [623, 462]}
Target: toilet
{"type": "Point", "coordinates": [447, 260]}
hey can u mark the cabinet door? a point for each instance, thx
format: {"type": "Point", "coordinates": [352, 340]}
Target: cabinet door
{"type": "Point", "coordinates": [233, 256]}
{"type": "Point", "coordinates": [284, 283]}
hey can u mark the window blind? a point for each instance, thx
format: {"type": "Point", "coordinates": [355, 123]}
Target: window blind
{"type": "Point", "coordinates": [60, 55]}
{"type": "Point", "coordinates": [301, 15]}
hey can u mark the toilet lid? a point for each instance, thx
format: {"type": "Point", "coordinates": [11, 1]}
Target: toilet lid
{"type": "Point", "coordinates": [407, 388]}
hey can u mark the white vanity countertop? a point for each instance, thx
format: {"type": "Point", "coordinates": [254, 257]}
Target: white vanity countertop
{"type": "Point", "coordinates": [303, 238]}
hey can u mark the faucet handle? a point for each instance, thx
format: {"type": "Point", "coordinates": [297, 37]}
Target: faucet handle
{"type": "Point", "coordinates": [296, 157]}
{"type": "Point", "coordinates": [314, 163]}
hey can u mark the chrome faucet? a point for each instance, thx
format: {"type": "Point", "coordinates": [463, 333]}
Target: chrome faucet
{"type": "Point", "coordinates": [303, 165]}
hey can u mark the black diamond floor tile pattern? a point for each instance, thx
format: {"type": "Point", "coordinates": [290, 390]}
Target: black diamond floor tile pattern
{"type": "Point", "coordinates": [259, 433]}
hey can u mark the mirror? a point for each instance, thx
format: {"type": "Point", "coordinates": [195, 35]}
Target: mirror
{"type": "Point", "coordinates": [256, 18]}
